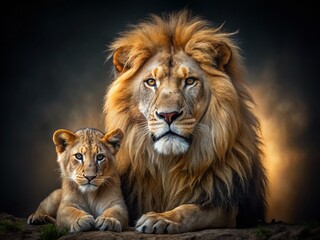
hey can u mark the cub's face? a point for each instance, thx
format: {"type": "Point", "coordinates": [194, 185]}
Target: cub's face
{"type": "Point", "coordinates": [86, 157]}
{"type": "Point", "coordinates": [173, 96]}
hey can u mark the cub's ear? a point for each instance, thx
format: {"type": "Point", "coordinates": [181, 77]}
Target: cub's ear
{"type": "Point", "coordinates": [113, 139]}
{"type": "Point", "coordinates": [120, 59]}
{"type": "Point", "coordinates": [222, 55]}
{"type": "Point", "coordinates": [63, 138]}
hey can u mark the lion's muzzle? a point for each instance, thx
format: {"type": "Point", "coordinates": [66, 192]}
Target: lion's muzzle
{"type": "Point", "coordinates": [171, 131]}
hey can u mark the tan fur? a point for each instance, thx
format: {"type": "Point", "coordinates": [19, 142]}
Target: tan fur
{"type": "Point", "coordinates": [90, 197]}
{"type": "Point", "coordinates": [172, 184]}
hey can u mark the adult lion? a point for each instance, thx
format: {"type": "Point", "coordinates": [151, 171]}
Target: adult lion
{"type": "Point", "coordinates": [191, 155]}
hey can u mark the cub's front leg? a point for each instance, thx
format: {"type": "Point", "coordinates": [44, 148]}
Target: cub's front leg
{"type": "Point", "coordinates": [186, 218]}
{"type": "Point", "coordinates": [47, 210]}
{"type": "Point", "coordinates": [75, 219]}
{"type": "Point", "coordinates": [113, 219]}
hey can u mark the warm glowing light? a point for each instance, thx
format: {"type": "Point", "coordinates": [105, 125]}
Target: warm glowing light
{"type": "Point", "coordinates": [282, 119]}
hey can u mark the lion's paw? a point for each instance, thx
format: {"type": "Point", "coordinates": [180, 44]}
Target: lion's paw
{"type": "Point", "coordinates": [38, 219]}
{"type": "Point", "coordinates": [155, 223]}
{"type": "Point", "coordinates": [108, 224]}
{"type": "Point", "coordinates": [83, 223]}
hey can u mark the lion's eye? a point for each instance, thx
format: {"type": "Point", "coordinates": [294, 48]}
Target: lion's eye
{"type": "Point", "coordinates": [190, 81]}
{"type": "Point", "coordinates": [78, 156]}
{"type": "Point", "coordinates": [151, 82]}
{"type": "Point", "coordinates": [100, 157]}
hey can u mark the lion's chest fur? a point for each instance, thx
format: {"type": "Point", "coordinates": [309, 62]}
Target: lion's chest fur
{"type": "Point", "coordinates": [163, 187]}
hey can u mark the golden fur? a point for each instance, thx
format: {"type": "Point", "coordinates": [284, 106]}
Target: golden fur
{"type": "Point", "coordinates": [90, 196]}
{"type": "Point", "coordinates": [191, 157]}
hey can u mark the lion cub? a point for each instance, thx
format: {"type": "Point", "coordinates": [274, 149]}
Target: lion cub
{"type": "Point", "coordinates": [90, 197]}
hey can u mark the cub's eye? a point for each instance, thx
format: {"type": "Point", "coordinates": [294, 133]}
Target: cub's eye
{"type": "Point", "coordinates": [190, 81]}
{"type": "Point", "coordinates": [100, 157]}
{"type": "Point", "coordinates": [78, 156]}
{"type": "Point", "coordinates": [151, 82]}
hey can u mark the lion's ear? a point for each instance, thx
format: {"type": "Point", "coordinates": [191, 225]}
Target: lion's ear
{"type": "Point", "coordinates": [113, 140]}
{"type": "Point", "coordinates": [63, 138]}
{"type": "Point", "coordinates": [120, 59]}
{"type": "Point", "coordinates": [222, 55]}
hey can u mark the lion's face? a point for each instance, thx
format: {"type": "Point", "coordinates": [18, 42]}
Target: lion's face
{"type": "Point", "coordinates": [173, 88]}
{"type": "Point", "coordinates": [86, 156]}
{"type": "Point", "coordinates": [173, 96]}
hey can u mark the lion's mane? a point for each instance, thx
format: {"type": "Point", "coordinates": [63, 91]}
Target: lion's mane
{"type": "Point", "coordinates": [223, 166]}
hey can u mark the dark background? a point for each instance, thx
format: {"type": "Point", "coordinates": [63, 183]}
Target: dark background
{"type": "Point", "coordinates": [54, 75]}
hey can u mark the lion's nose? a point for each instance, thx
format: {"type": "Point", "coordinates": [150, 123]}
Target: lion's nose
{"type": "Point", "coordinates": [89, 177]}
{"type": "Point", "coordinates": [169, 117]}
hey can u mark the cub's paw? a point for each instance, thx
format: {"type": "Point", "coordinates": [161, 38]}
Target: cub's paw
{"type": "Point", "coordinates": [157, 223]}
{"type": "Point", "coordinates": [83, 223]}
{"type": "Point", "coordinates": [108, 224]}
{"type": "Point", "coordinates": [38, 219]}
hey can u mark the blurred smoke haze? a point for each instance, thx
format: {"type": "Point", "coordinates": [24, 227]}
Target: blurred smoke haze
{"type": "Point", "coordinates": [283, 118]}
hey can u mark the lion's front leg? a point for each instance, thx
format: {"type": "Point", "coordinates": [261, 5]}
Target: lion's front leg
{"type": "Point", "coordinates": [185, 218]}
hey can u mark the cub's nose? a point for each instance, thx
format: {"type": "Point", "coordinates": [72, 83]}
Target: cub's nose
{"type": "Point", "coordinates": [89, 177]}
{"type": "Point", "coordinates": [169, 117]}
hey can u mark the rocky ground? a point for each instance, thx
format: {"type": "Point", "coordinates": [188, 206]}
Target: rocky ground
{"type": "Point", "coordinates": [17, 228]}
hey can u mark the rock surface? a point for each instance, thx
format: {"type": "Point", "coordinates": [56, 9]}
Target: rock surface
{"type": "Point", "coordinates": [17, 228]}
